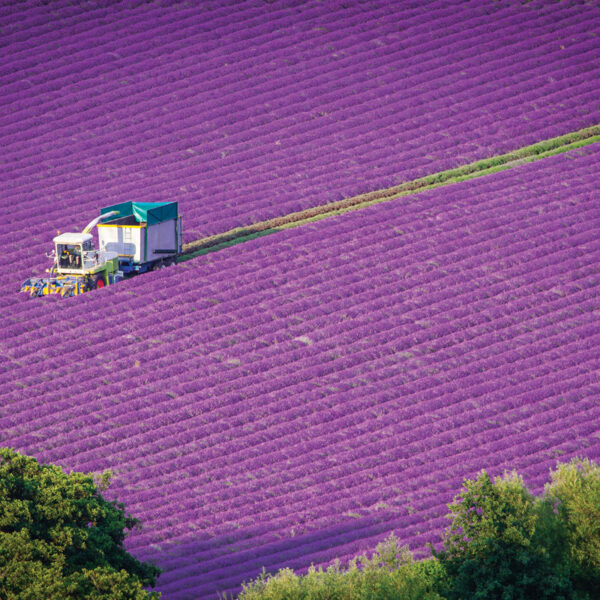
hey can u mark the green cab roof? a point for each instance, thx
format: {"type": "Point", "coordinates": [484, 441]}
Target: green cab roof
{"type": "Point", "coordinates": [144, 212]}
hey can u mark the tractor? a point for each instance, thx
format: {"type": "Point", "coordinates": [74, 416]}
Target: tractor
{"type": "Point", "coordinates": [131, 235]}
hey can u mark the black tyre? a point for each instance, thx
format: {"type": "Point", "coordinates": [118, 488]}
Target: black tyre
{"type": "Point", "coordinates": [96, 282]}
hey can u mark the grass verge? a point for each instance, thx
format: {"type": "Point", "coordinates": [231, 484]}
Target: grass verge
{"type": "Point", "coordinates": [537, 151]}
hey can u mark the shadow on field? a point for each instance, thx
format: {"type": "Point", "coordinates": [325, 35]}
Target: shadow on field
{"type": "Point", "coordinates": [209, 568]}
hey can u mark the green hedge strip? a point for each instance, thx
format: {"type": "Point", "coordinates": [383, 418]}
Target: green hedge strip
{"type": "Point", "coordinates": [480, 168]}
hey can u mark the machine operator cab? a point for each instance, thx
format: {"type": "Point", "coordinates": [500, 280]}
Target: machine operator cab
{"type": "Point", "coordinates": [74, 253]}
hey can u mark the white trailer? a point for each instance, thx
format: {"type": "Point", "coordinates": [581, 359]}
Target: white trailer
{"type": "Point", "coordinates": [145, 235]}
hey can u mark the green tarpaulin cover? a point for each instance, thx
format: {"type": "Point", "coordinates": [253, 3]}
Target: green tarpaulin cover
{"type": "Point", "coordinates": [145, 212]}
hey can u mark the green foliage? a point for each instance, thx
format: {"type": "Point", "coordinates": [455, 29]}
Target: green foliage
{"type": "Point", "coordinates": [574, 494]}
{"type": "Point", "coordinates": [538, 150]}
{"type": "Point", "coordinates": [489, 550]}
{"type": "Point", "coordinates": [550, 538]}
{"type": "Point", "coordinates": [502, 510]}
{"type": "Point", "coordinates": [389, 573]}
{"type": "Point", "coordinates": [60, 539]}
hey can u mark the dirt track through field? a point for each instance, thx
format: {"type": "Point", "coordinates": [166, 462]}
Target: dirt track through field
{"type": "Point", "coordinates": [479, 168]}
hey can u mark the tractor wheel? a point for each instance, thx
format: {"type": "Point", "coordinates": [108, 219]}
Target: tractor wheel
{"type": "Point", "coordinates": [95, 282]}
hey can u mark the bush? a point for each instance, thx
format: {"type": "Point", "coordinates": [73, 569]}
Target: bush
{"type": "Point", "coordinates": [391, 573]}
{"type": "Point", "coordinates": [61, 540]}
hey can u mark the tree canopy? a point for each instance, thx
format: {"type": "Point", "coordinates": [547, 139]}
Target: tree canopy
{"type": "Point", "coordinates": [61, 540]}
{"type": "Point", "coordinates": [491, 550]}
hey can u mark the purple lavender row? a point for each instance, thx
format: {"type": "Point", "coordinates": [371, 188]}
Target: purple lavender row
{"type": "Point", "coordinates": [305, 560]}
{"type": "Point", "coordinates": [581, 50]}
{"type": "Point", "coordinates": [355, 422]}
{"type": "Point", "coordinates": [246, 161]}
{"type": "Point", "coordinates": [173, 529]}
{"type": "Point", "coordinates": [354, 45]}
{"type": "Point", "coordinates": [186, 463]}
{"type": "Point", "coordinates": [149, 357]}
{"type": "Point", "coordinates": [216, 461]}
{"type": "Point", "coordinates": [538, 325]}
{"type": "Point", "coordinates": [417, 519]}
{"type": "Point", "coordinates": [367, 544]}
{"type": "Point", "coordinates": [352, 40]}
{"type": "Point", "coordinates": [432, 503]}
{"type": "Point", "coordinates": [276, 552]}
{"type": "Point", "coordinates": [349, 474]}
{"type": "Point", "coordinates": [346, 487]}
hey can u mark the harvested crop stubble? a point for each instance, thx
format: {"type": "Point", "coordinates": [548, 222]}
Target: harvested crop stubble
{"type": "Point", "coordinates": [310, 391]}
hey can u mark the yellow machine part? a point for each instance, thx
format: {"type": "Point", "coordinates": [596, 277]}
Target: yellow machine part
{"type": "Point", "coordinates": [57, 285]}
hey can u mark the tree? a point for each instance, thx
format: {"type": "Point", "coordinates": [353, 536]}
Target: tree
{"type": "Point", "coordinates": [490, 551]}
{"type": "Point", "coordinates": [61, 540]}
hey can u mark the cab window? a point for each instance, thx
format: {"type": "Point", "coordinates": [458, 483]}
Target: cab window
{"type": "Point", "coordinates": [69, 256]}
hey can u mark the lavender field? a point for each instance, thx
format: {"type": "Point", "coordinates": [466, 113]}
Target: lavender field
{"type": "Point", "coordinates": [244, 111]}
{"type": "Point", "coordinates": [298, 397]}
